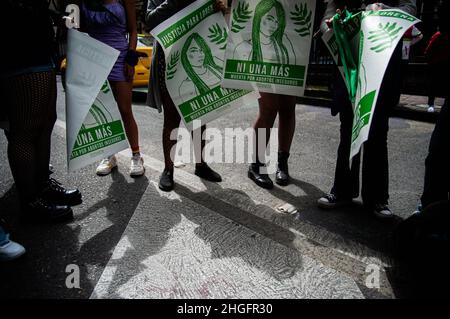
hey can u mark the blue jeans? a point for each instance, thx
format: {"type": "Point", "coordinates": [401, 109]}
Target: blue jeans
{"type": "Point", "coordinates": [4, 237]}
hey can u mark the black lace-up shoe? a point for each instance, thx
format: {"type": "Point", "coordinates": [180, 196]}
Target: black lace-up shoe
{"type": "Point", "coordinates": [39, 211]}
{"type": "Point", "coordinates": [55, 193]}
{"type": "Point", "coordinates": [282, 175]}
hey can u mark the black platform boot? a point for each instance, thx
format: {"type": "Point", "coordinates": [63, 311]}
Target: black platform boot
{"type": "Point", "coordinates": [282, 175]}
{"type": "Point", "coordinates": [53, 192]}
{"type": "Point", "coordinates": [262, 180]}
{"type": "Point", "coordinates": [166, 182]}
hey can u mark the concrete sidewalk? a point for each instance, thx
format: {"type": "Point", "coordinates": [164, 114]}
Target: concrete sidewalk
{"type": "Point", "coordinates": [207, 240]}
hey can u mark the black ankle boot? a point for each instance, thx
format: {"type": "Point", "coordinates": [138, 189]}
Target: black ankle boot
{"type": "Point", "coordinates": [166, 182]}
{"type": "Point", "coordinates": [54, 193]}
{"type": "Point", "coordinates": [40, 211]}
{"type": "Point", "coordinates": [206, 172]}
{"type": "Point", "coordinates": [282, 175]}
{"type": "Point", "coordinates": [262, 180]}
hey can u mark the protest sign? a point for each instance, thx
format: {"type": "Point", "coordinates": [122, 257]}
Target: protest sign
{"type": "Point", "coordinates": [194, 42]}
{"type": "Point", "coordinates": [362, 46]}
{"type": "Point", "coordinates": [94, 125]}
{"type": "Point", "coordinates": [269, 45]}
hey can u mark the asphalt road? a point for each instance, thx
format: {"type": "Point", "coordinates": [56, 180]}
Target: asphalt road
{"type": "Point", "coordinates": [215, 241]}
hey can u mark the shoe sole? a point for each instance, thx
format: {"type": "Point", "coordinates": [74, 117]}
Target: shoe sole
{"type": "Point", "coordinates": [265, 186]}
{"type": "Point", "coordinates": [11, 258]}
{"type": "Point", "coordinates": [164, 189]}
{"type": "Point", "coordinates": [207, 179]}
{"type": "Point", "coordinates": [381, 216]}
{"type": "Point", "coordinates": [282, 182]}
{"type": "Point", "coordinates": [137, 174]}
{"type": "Point", "coordinates": [106, 174]}
{"type": "Point", "coordinates": [73, 203]}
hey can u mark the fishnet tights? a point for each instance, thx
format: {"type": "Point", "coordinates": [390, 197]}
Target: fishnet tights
{"type": "Point", "coordinates": [30, 105]}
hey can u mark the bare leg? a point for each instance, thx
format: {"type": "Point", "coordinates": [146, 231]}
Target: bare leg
{"type": "Point", "coordinates": [123, 95]}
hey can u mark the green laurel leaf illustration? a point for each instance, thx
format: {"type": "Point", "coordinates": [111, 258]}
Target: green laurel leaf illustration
{"type": "Point", "coordinates": [240, 16]}
{"type": "Point", "coordinates": [172, 65]}
{"type": "Point", "coordinates": [218, 36]}
{"type": "Point", "coordinates": [302, 17]}
{"type": "Point", "coordinates": [384, 37]}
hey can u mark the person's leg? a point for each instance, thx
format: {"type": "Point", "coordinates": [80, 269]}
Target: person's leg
{"type": "Point", "coordinates": [286, 130]}
{"type": "Point", "coordinates": [29, 101]}
{"type": "Point", "coordinates": [202, 169]}
{"type": "Point", "coordinates": [286, 127]}
{"type": "Point", "coordinates": [123, 92]}
{"type": "Point", "coordinates": [268, 110]}
{"type": "Point", "coordinates": [346, 178]}
{"type": "Point", "coordinates": [436, 184]}
{"type": "Point", "coordinates": [43, 145]}
{"type": "Point", "coordinates": [431, 85]}
{"type": "Point", "coordinates": [375, 173]}
{"type": "Point", "coordinates": [172, 121]}
{"type": "Point", "coordinates": [27, 105]}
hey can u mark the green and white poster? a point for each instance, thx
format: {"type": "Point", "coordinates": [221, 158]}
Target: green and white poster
{"type": "Point", "coordinates": [94, 126]}
{"type": "Point", "coordinates": [269, 45]}
{"type": "Point", "coordinates": [194, 42]}
{"type": "Point", "coordinates": [362, 45]}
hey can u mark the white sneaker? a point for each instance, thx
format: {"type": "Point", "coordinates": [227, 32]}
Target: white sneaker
{"type": "Point", "coordinates": [137, 166]}
{"type": "Point", "coordinates": [106, 166]}
{"type": "Point", "coordinates": [11, 250]}
{"type": "Point", "coordinates": [430, 109]}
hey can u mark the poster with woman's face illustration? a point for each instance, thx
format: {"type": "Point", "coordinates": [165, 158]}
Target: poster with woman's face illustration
{"type": "Point", "coordinates": [194, 42]}
{"type": "Point", "coordinates": [273, 37]}
{"type": "Point", "coordinates": [203, 71]}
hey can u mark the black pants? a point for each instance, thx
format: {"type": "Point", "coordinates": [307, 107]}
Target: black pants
{"type": "Point", "coordinates": [436, 186]}
{"type": "Point", "coordinates": [375, 167]}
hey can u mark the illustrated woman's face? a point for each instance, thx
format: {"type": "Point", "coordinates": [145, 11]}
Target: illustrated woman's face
{"type": "Point", "coordinates": [195, 54]}
{"type": "Point", "coordinates": [269, 23]}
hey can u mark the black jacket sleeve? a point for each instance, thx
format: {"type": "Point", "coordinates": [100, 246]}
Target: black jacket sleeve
{"type": "Point", "coordinates": [159, 11]}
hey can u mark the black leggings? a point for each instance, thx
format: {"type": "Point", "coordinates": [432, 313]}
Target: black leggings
{"type": "Point", "coordinates": [29, 102]}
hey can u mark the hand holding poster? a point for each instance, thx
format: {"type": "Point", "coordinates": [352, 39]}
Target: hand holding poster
{"type": "Point", "coordinates": [364, 44]}
{"type": "Point", "coordinates": [94, 126]}
{"type": "Point", "coordinates": [269, 45]}
{"type": "Point", "coordinates": [194, 42]}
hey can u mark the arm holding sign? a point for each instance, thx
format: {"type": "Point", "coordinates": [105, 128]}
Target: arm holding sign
{"type": "Point", "coordinates": [336, 6]}
{"type": "Point", "coordinates": [159, 11]}
{"type": "Point", "coordinates": [408, 6]}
